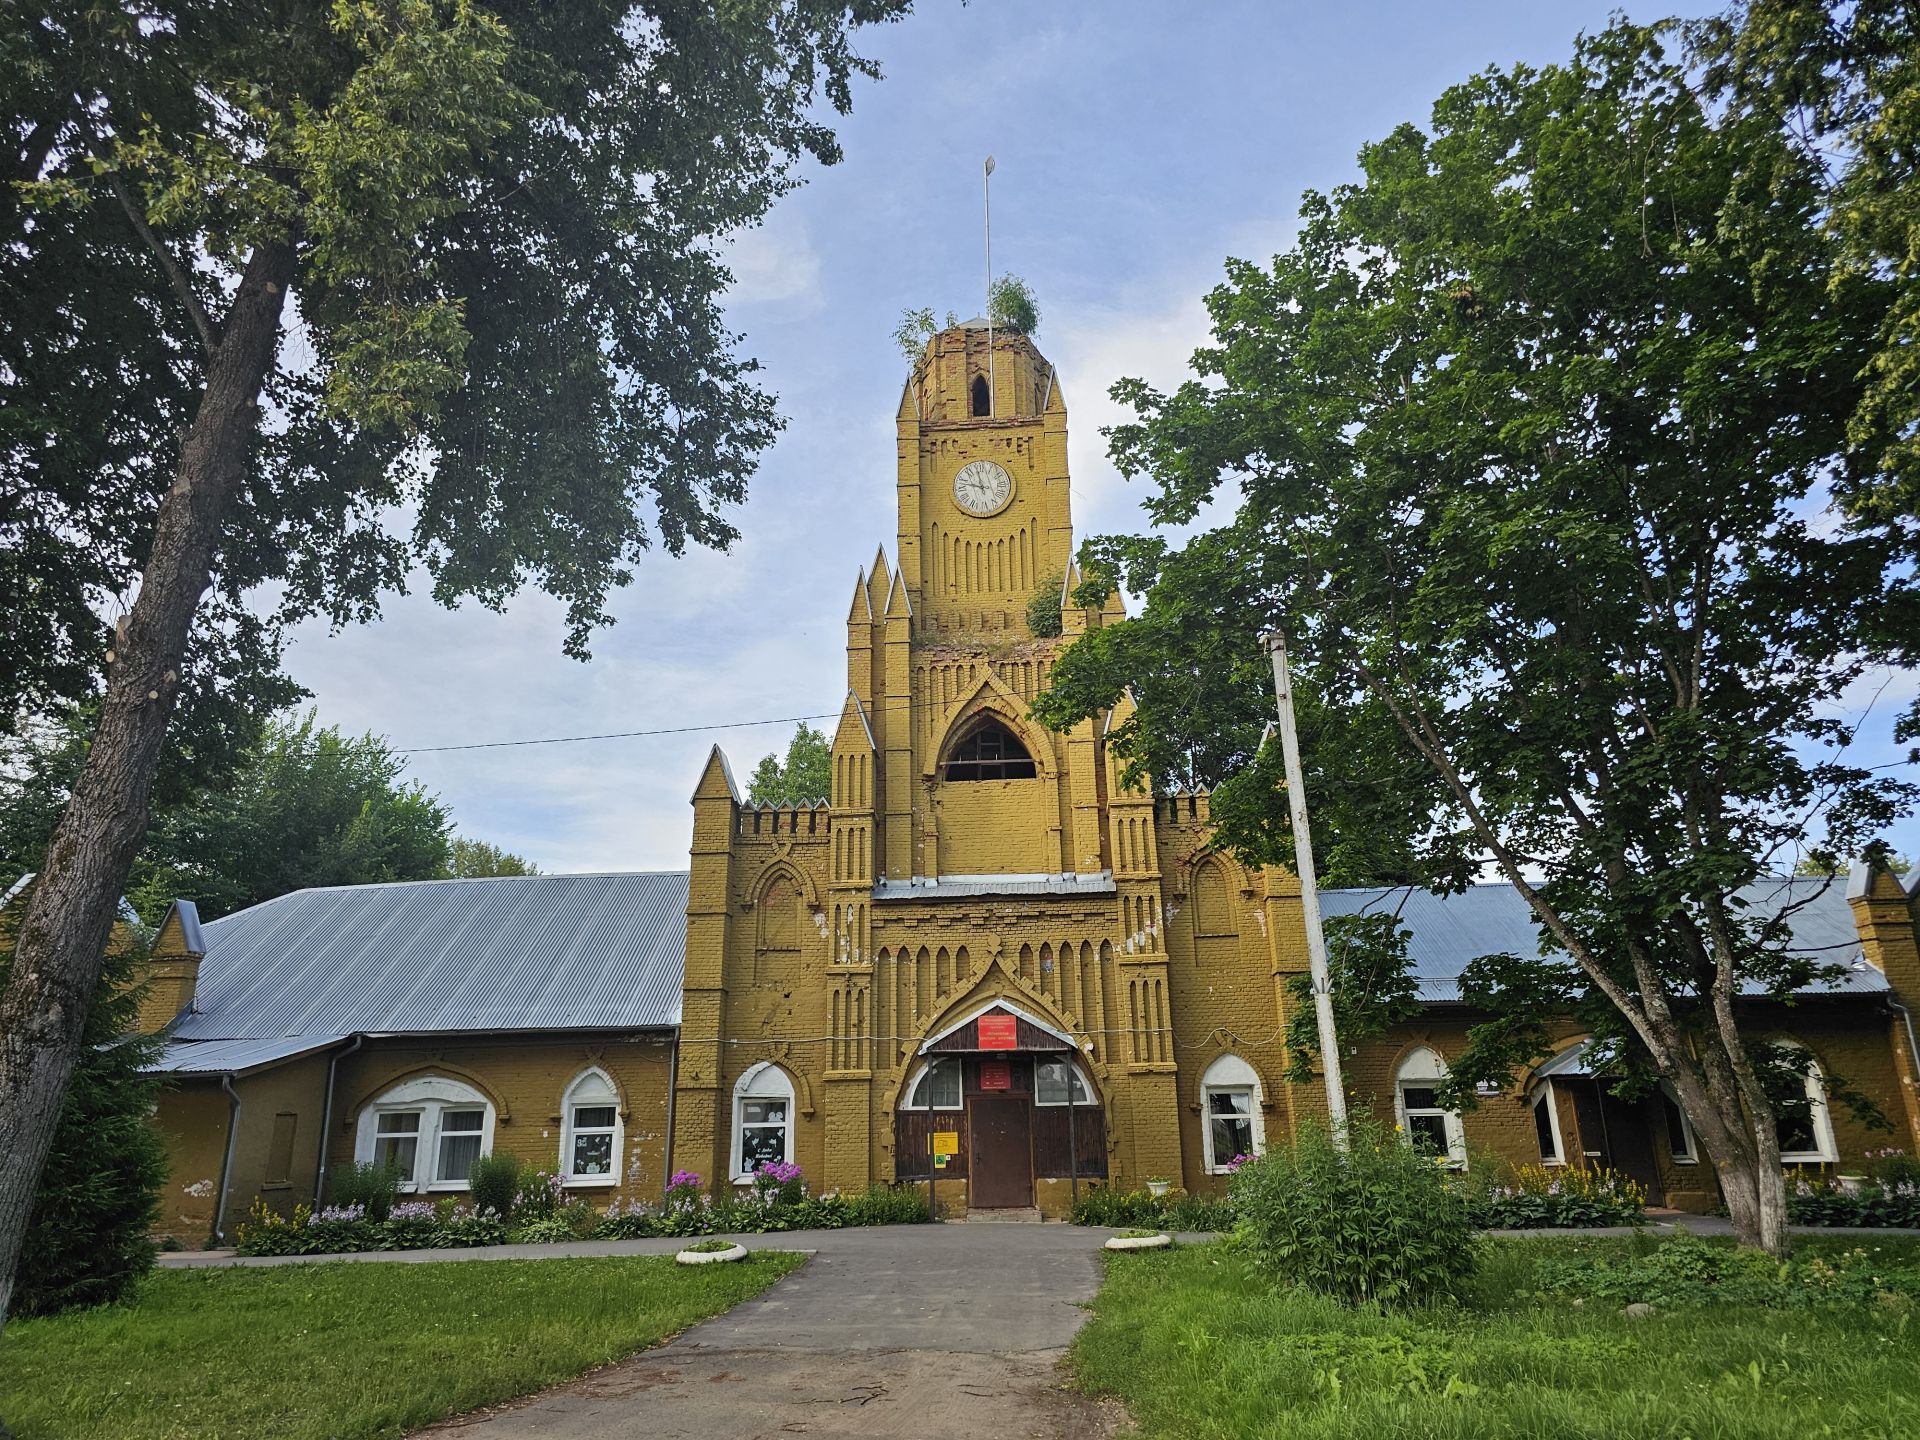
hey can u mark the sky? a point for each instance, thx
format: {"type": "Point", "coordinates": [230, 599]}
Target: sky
{"type": "Point", "coordinates": [1137, 145]}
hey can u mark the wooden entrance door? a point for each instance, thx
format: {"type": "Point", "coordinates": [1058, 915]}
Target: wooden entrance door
{"type": "Point", "coordinates": [1000, 1162]}
{"type": "Point", "coordinates": [1616, 1134]}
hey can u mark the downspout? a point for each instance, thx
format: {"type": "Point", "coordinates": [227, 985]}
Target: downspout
{"type": "Point", "coordinates": [673, 1084]}
{"type": "Point", "coordinates": [226, 1163]}
{"type": "Point", "coordinates": [326, 1121]}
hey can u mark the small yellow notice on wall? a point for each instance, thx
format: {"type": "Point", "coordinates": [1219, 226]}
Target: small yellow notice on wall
{"type": "Point", "coordinates": [946, 1142]}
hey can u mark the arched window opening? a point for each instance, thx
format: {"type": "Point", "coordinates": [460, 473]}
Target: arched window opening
{"type": "Point", "coordinates": [1230, 1102]}
{"type": "Point", "coordinates": [1429, 1127]}
{"type": "Point", "coordinates": [591, 1133]}
{"type": "Point", "coordinates": [429, 1130]}
{"type": "Point", "coordinates": [1050, 1080]}
{"type": "Point", "coordinates": [762, 1120]}
{"type": "Point", "coordinates": [939, 1080]}
{"type": "Point", "coordinates": [989, 751]}
{"type": "Point", "coordinates": [1802, 1122]}
{"type": "Point", "coordinates": [982, 401]}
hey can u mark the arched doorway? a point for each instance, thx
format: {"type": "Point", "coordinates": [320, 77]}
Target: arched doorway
{"type": "Point", "coordinates": [1008, 1095]}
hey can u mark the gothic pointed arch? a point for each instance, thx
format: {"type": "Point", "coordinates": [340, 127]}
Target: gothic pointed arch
{"type": "Point", "coordinates": [990, 697]}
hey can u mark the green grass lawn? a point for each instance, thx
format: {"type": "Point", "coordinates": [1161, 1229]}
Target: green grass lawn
{"type": "Point", "coordinates": [1198, 1345]}
{"type": "Point", "coordinates": [342, 1351]}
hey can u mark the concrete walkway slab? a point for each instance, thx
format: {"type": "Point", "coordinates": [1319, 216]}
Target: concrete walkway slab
{"type": "Point", "coordinates": [934, 1332]}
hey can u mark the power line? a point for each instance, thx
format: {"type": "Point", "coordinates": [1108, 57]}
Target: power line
{"type": "Point", "coordinates": [866, 709]}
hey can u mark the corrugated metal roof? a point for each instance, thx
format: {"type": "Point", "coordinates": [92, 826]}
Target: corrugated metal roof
{"type": "Point", "coordinates": [522, 952]}
{"type": "Point", "coordinates": [1450, 930]}
{"type": "Point", "coordinates": [230, 1057]}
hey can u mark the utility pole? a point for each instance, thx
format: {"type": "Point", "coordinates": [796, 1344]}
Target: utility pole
{"type": "Point", "coordinates": [986, 212]}
{"type": "Point", "coordinates": [1276, 644]}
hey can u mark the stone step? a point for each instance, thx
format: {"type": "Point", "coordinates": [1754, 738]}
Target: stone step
{"type": "Point", "coordinates": [1023, 1214]}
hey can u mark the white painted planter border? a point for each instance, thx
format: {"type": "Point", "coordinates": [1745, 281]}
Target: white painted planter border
{"type": "Point", "coordinates": [1138, 1242]}
{"type": "Point", "coordinates": [712, 1257]}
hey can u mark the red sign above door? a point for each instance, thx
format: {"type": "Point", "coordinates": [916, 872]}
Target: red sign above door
{"type": "Point", "coordinates": [996, 1075]}
{"type": "Point", "coordinates": [998, 1032]}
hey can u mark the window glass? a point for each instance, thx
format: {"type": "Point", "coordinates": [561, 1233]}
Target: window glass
{"type": "Point", "coordinates": [1679, 1141]}
{"type": "Point", "coordinates": [459, 1144]}
{"type": "Point", "coordinates": [1050, 1084]}
{"type": "Point", "coordinates": [944, 1076]}
{"type": "Point", "coordinates": [990, 751]}
{"type": "Point", "coordinates": [396, 1139]}
{"type": "Point", "coordinates": [763, 1133]}
{"type": "Point", "coordinates": [1230, 1123]}
{"type": "Point", "coordinates": [592, 1140]}
{"type": "Point", "coordinates": [1428, 1132]}
{"type": "Point", "coordinates": [1543, 1127]}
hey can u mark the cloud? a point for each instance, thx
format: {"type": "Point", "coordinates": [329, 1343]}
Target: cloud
{"type": "Point", "coordinates": [775, 265]}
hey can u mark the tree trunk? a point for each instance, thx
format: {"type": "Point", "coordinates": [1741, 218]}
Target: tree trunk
{"type": "Point", "coordinates": [69, 919]}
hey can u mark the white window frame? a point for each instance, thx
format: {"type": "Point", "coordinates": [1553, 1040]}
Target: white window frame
{"type": "Point", "coordinates": [1424, 1068]}
{"type": "Point", "coordinates": [1544, 1092]}
{"type": "Point", "coordinates": [1825, 1151]}
{"type": "Point", "coordinates": [1689, 1151]}
{"type": "Point", "coordinates": [1078, 1077]}
{"type": "Point", "coordinates": [591, 1088]}
{"type": "Point", "coordinates": [429, 1096]}
{"type": "Point", "coordinates": [910, 1097]}
{"type": "Point", "coordinates": [764, 1081]}
{"type": "Point", "coordinates": [1230, 1074]}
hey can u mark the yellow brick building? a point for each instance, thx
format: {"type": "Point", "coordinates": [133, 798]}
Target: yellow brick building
{"type": "Point", "coordinates": [983, 960]}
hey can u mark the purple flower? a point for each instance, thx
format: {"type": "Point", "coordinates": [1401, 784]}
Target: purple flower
{"type": "Point", "coordinates": [683, 1177]}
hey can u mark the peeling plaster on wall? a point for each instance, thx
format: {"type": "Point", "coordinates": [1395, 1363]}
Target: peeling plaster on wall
{"type": "Point", "coordinates": [200, 1189]}
{"type": "Point", "coordinates": [1260, 919]}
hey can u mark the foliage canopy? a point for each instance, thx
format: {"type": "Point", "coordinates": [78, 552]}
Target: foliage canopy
{"type": "Point", "coordinates": [1538, 431]}
{"type": "Point", "coordinates": [804, 778]}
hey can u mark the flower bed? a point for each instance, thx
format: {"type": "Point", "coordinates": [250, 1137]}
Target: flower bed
{"type": "Point", "coordinates": [1889, 1198]}
{"type": "Point", "coordinates": [1139, 1209]}
{"type": "Point", "coordinates": [1535, 1197]}
{"type": "Point", "coordinates": [541, 1213]}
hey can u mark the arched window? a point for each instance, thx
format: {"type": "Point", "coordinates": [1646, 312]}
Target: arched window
{"type": "Point", "coordinates": [982, 401]}
{"type": "Point", "coordinates": [989, 751]}
{"type": "Point", "coordinates": [762, 1120]}
{"type": "Point", "coordinates": [1680, 1143]}
{"type": "Point", "coordinates": [1805, 1127]}
{"type": "Point", "coordinates": [1050, 1079]}
{"type": "Point", "coordinates": [429, 1129]}
{"type": "Point", "coordinates": [1428, 1126]}
{"type": "Point", "coordinates": [941, 1076]}
{"type": "Point", "coordinates": [592, 1135]}
{"type": "Point", "coordinates": [1230, 1106]}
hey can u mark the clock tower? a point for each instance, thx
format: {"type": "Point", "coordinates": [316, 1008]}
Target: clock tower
{"type": "Point", "coordinates": [983, 497]}
{"type": "Point", "coordinates": [976, 886]}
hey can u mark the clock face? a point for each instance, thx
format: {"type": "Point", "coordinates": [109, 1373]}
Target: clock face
{"type": "Point", "coordinates": [982, 487]}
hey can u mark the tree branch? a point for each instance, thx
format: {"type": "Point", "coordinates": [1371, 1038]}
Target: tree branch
{"type": "Point", "coordinates": [175, 272]}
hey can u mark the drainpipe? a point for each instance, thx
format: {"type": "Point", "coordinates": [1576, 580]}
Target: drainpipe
{"type": "Point", "coordinates": [326, 1122]}
{"type": "Point", "coordinates": [226, 1163]}
{"type": "Point", "coordinates": [673, 1083]}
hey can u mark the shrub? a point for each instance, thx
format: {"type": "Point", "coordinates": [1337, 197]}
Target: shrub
{"type": "Point", "coordinates": [373, 1188]}
{"type": "Point", "coordinates": [777, 1183]}
{"type": "Point", "coordinates": [88, 1234]}
{"type": "Point", "coordinates": [1687, 1272]}
{"type": "Point", "coordinates": [1120, 1209]}
{"type": "Point", "coordinates": [1043, 608]}
{"type": "Point", "coordinates": [889, 1205]}
{"type": "Point", "coordinates": [493, 1183]}
{"type": "Point", "coordinates": [1893, 1169]}
{"type": "Point", "coordinates": [539, 1195]}
{"type": "Point", "coordinates": [541, 1230]}
{"type": "Point", "coordinates": [1818, 1202]}
{"type": "Point", "coordinates": [1374, 1222]}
